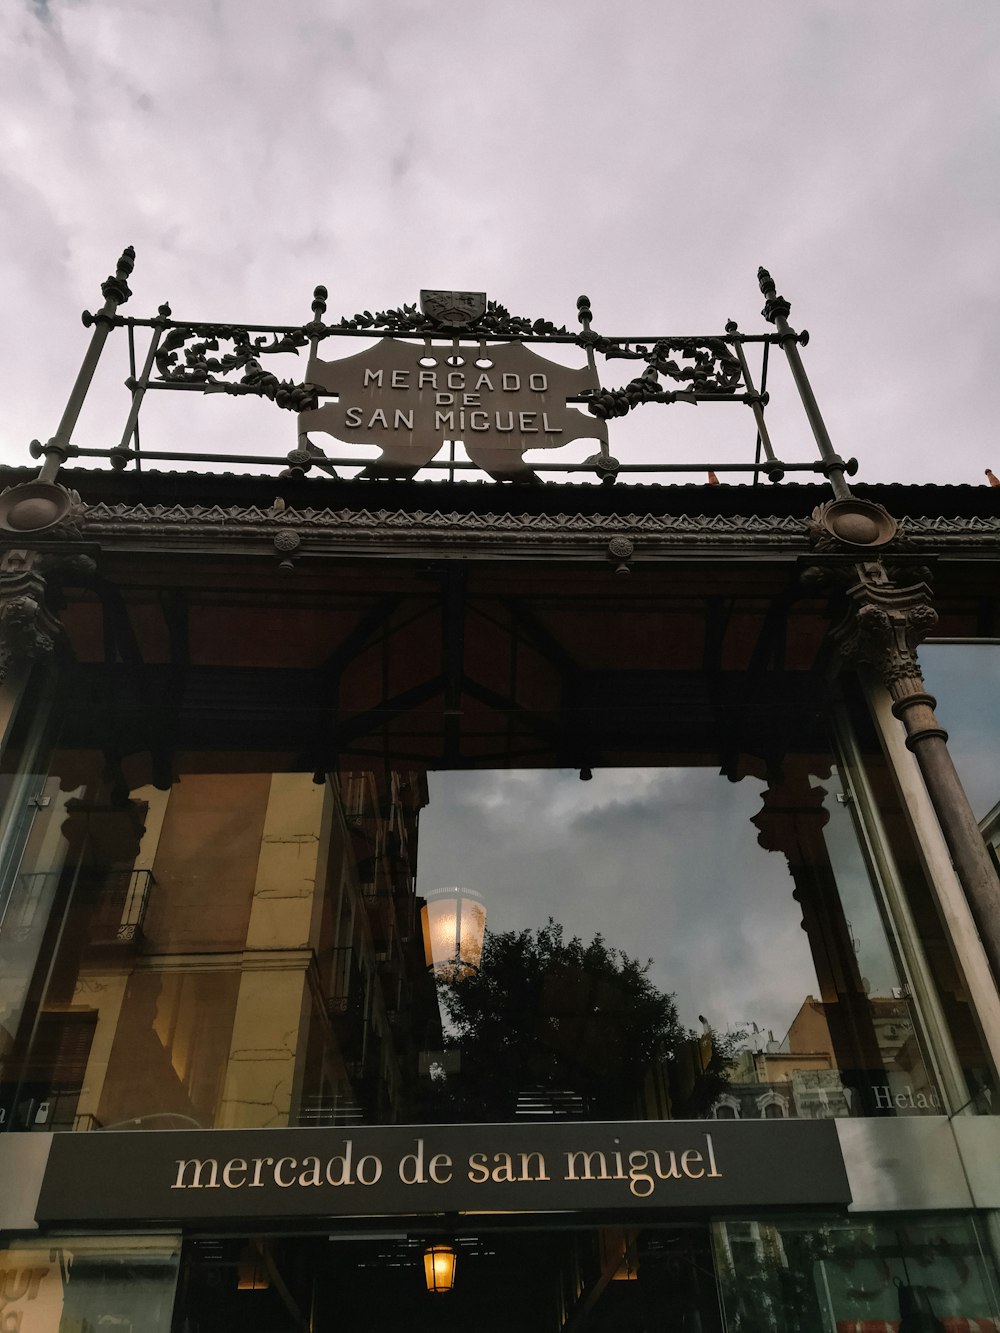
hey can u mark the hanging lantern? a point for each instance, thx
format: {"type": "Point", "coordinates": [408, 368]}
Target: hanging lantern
{"type": "Point", "coordinates": [439, 1267]}
{"type": "Point", "coordinates": [454, 923]}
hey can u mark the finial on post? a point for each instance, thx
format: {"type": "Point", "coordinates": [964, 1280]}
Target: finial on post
{"type": "Point", "coordinates": [775, 307]}
{"type": "Point", "coordinates": [116, 292]}
{"type": "Point", "coordinates": [116, 288]}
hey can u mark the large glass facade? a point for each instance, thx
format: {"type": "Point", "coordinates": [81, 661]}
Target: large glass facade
{"type": "Point", "coordinates": [247, 943]}
{"type": "Point", "coordinates": [746, 1275]}
{"type": "Point", "coordinates": [253, 948]}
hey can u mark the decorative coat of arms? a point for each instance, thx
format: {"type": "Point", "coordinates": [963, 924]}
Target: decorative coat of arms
{"type": "Point", "coordinates": [453, 310]}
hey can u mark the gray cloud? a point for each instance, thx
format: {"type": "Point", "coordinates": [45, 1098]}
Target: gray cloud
{"type": "Point", "coordinates": [663, 862]}
{"type": "Point", "coordinates": [251, 151]}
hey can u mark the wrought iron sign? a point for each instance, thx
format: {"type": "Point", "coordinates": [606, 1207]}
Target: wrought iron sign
{"type": "Point", "coordinates": [499, 398]}
{"type": "Point", "coordinates": [457, 368]}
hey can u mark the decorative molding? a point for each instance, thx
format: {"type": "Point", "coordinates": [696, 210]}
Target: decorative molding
{"type": "Point", "coordinates": [41, 508]}
{"type": "Point", "coordinates": [343, 525]}
{"type": "Point", "coordinates": [346, 524]}
{"type": "Point", "coordinates": [942, 526]}
{"type": "Point", "coordinates": [886, 619]}
{"type": "Point", "coordinates": [28, 629]}
{"type": "Point", "coordinates": [286, 543]}
{"type": "Point", "coordinates": [852, 525]}
{"type": "Point", "coordinates": [330, 528]}
{"type": "Point", "coordinates": [620, 551]}
{"type": "Point", "coordinates": [286, 540]}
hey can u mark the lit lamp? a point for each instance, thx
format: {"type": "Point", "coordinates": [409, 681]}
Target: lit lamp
{"type": "Point", "coordinates": [439, 1267]}
{"type": "Point", "coordinates": [252, 1274]}
{"type": "Point", "coordinates": [454, 923]}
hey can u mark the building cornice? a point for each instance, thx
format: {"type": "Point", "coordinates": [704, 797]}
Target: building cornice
{"type": "Point", "coordinates": [329, 529]}
{"type": "Point", "coordinates": [344, 525]}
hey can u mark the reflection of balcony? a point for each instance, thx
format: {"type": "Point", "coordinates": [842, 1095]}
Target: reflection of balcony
{"type": "Point", "coordinates": [344, 985]}
{"type": "Point", "coordinates": [345, 1002]}
{"type": "Point", "coordinates": [381, 910]}
{"type": "Point", "coordinates": [122, 896]}
{"type": "Point", "coordinates": [119, 899]}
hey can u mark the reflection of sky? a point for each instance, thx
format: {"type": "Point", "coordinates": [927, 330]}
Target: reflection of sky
{"type": "Point", "coordinates": [854, 887]}
{"type": "Point", "coordinates": [663, 862]}
{"type": "Point", "coordinates": [965, 677]}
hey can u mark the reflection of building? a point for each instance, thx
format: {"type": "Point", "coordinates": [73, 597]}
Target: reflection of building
{"type": "Point", "coordinates": [221, 696]}
{"type": "Point", "coordinates": [799, 1076]}
{"type": "Point", "coordinates": [245, 953]}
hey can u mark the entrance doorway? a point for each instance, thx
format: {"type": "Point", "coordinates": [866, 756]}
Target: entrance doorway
{"type": "Point", "coordinates": [598, 1280]}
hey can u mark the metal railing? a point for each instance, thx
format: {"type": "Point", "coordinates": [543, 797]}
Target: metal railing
{"type": "Point", "coordinates": [216, 357]}
{"type": "Point", "coordinates": [344, 988]}
{"type": "Point", "coordinates": [121, 898]}
{"type": "Point", "coordinates": [124, 896]}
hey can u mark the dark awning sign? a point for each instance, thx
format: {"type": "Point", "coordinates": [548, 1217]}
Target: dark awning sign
{"type": "Point", "coordinates": [194, 1175]}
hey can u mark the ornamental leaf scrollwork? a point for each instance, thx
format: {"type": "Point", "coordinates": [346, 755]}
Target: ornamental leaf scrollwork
{"type": "Point", "coordinates": [190, 354]}
{"type": "Point", "coordinates": [713, 372]}
{"type": "Point", "coordinates": [202, 368]}
{"type": "Point", "coordinates": [497, 322]}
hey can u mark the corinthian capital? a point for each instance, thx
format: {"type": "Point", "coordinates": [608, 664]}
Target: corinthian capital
{"type": "Point", "coordinates": [28, 629]}
{"type": "Point", "coordinates": [885, 621]}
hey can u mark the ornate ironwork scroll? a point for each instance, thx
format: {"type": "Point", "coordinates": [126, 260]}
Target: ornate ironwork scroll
{"type": "Point", "coordinates": [204, 370]}
{"type": "Point", "coordinates": [496, 321]}
{"type": "Point", "coordinates": [201, 367]}
{"type": "Point", "coordinates": [188, 355]}
{"type": "Point", "coordinates": [714, 371]}
{"type": "Point", "coordinates": [230, 358]}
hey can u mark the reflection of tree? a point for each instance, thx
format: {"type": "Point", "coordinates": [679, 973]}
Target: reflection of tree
{"type": "Point", "coordinates": [771, 1278]}
{"type": "Point", "coordinates": [547, 1013]}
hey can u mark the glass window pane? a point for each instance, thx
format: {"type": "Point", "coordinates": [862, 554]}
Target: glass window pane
{"type": "Point", "coordinates": [855, 1274]}
{"type": "Point", "coordinates": [57, 1284]}
{"type": "Point", "coordinates": [250, 948]}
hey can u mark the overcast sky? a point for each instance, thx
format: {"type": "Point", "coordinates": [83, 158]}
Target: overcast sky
{"type": "Point", "coordinates": [651, 155]}
{"type": "Point", "coordinates": [665, 864]}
